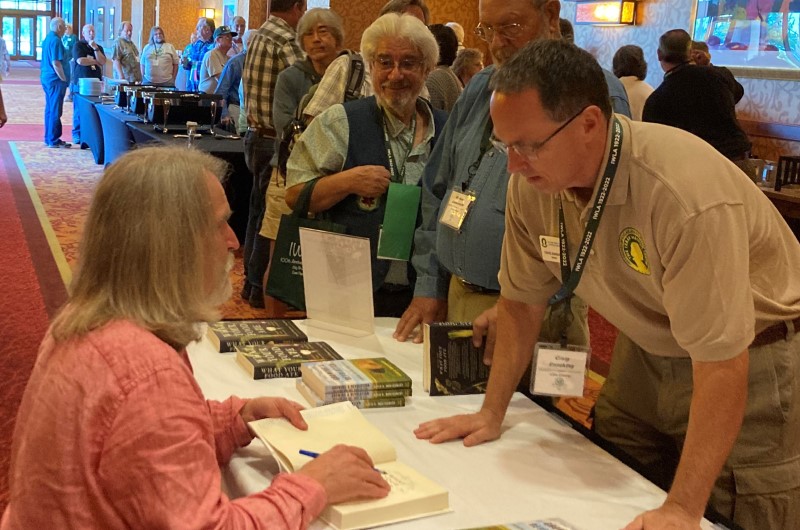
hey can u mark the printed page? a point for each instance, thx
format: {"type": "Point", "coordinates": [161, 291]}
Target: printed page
{"type": "Point", "coordinates": [339, 423]}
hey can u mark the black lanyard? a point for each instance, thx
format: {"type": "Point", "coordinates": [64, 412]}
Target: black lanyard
{"type": "Point", "coordinates": [570, 276]}
{"type": "Point", "coordinates": [486, 145]}
{"type": "Point", "coordinates": [398, 175]}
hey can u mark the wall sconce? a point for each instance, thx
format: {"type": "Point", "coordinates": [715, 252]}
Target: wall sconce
{"type": "Point", "coordinates": [608, 13]}
{"type": "Point", "coordinates": [208, 12]}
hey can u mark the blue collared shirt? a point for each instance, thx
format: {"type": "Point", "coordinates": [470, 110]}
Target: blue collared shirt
{"type": "Point", "coordinates": [229, 80]}
{"type": "Point", "coordinates": [472, 253]}
{"type": "Point", "coordinates": [53, 50]}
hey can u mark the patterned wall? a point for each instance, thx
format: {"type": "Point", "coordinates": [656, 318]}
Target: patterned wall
{"type": "Point", "coordinates": [765, 100]}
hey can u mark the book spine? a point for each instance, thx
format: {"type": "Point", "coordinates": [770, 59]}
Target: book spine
{"type": "Point", "coordinates": [348, 394]}
{"type": "Point", "coordinates": [274, 372]}
{"type": "Point", "coordinates": [378, 403]}
{"type": "Point", "coordinates": [364, 387]}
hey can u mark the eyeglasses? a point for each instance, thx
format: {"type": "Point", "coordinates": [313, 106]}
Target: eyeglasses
{"type": "Point", "coordinates": [530, 151]}
{"type": "Point", "coordinates": [406, 65]}
{"type": "Point", "coordinates": [507, 31]}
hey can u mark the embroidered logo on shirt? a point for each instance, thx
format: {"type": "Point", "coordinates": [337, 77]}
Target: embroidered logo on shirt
{"type": "Point", "coordinates": [631, 247]}
{"type": "Point", "coordinates": [368, 204]}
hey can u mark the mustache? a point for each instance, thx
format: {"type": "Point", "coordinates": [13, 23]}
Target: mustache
{"type": "Point", "coordinates": [396, 85]}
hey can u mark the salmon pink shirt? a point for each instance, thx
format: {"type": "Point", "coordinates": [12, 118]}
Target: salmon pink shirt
{"type": "Point", "coordinates": [113, 432]}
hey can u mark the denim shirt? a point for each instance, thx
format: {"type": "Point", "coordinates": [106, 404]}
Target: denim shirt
{"type": "Point", "coordinates": [229, 79]}
{"type": "Point", "coordinates": [472, 253]}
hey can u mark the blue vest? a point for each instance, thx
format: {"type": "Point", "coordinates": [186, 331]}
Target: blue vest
{"type": "Point", "coordinates": [366, 146]}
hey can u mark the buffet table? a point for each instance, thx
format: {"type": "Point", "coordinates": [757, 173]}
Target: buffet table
{"type": "Point", "coordinates": [540, 468]}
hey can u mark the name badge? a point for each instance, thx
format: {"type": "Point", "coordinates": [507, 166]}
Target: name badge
{"type": "Point", "coordinates": [559, 371]}
{"type": "Point", "coordinates": [457, 208]}
{"type": "Point", "coordinates": [550, 248]}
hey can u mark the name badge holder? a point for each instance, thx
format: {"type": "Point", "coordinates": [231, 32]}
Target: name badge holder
{"type": "Point", "coordinates": [560, 369]}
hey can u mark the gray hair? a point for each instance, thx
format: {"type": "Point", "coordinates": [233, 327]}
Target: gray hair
{"type": "Point", "coordinates": [153, 30]}
{"type": "Point", "coordinates": [629, 61]}
{"type": "Point", "coordinates": [325, 17]}
{"type": "Point", "coordinates": [466, 58]}
{"type": "Point", "coordinates": [238, 17]}
{"type": "Point", "coordinates": [142, 255]}
{"type": "Point", "coordinates": [458, 29]}
{"type": "Point", "coordinates": [122, 25]}
{"type": "Point", "coordinates": [56, 22]}
{"type": "Point", "coordinates": [566, 77]}
{"type": "Point", "coordinates": [249, 34]}
{"type": "Point", "coordinates": [400, 7]}
{"type": "Point", "coordinates": [406, 27]}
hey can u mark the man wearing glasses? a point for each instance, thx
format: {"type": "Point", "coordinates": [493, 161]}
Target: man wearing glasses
{"type": "Point", "coordinates": [357, 149]}
{"type": "Point", "coordinates": [457, 260]}
{"type": "Point", "coordinates": [701, 278]}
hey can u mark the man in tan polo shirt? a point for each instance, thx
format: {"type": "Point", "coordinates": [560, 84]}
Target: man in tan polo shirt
{"type": "Point", "coordinates": [701, 276]}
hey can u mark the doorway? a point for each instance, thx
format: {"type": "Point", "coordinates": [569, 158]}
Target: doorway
{"type": "Point", "coordinates": [24, 33]}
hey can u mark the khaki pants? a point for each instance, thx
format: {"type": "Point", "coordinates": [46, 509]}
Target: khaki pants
{"type": "Point", "coordinates": [643, 409]}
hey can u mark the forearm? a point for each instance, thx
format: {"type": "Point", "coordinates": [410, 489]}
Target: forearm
{"type": "Point", "coordinates": [329, 191]}
{"type": "Point", "coordinates": [518, 326]}
{"type": "Point", "coordinates": [87, 61]}
{"type": "Point", "coordinates": [100, 57]}
{"type": "Point", "coordinates": [230, 429]}
{"type": "Point", "coordinates": [714, 425]}
{"type": "Point", "coordinates": [59, 70]}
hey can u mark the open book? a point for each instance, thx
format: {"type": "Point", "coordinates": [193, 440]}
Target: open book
{"type": "Point", "coordinates": [412, 495]}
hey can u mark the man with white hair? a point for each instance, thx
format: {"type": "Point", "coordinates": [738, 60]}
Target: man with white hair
{"type": "Point", "coordinates": [90, 59]}
{"type": "Point", "coordinates": [237, 44]}
{"type": "Point", "coordinates": [357, 149]}
{"type": "Point", "coordinates": [125, 55]}
{"type": "Point", "coordinates": [54, 81]}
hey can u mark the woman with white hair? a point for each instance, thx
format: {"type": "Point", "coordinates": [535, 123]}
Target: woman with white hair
{"type": "Point", "coordinates": [356, 150]}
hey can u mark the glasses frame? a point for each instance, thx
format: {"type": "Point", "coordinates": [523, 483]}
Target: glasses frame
{"type": "Point", "coordinates": [405, 69]}
{"type": "Point", "coordinates": [508, 31]}
{"type": "Point", "coordinates": [530, 151]}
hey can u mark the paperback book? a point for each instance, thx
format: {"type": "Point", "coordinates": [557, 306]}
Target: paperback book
{"type": "Point", "coordinates": [451, 364]}
{"type": "Point", "coordinates": [377, 401]}
{"type": "Point", "coordinates": [328, 378]}
{"type": "Point", "coordinates": [412, 495]}
{"type": "Point", "coordinates": [230, 335]}
{"type": "Point", "coordinates": [269, 361]}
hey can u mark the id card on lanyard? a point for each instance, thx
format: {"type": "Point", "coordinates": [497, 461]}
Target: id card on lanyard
{"type": "Point", "coordinates": [560, 369]}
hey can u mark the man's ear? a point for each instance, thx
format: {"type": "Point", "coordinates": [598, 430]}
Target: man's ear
{"type": "Point", "coordinates": [593, 119]}
{"type": "Point", "coordinates": [658, 53]}
{"type": "Point", "coordinates": [551, 11]}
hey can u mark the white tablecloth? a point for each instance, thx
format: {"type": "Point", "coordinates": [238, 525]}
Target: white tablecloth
{"type": "Point", "coordinates": [539, 468]}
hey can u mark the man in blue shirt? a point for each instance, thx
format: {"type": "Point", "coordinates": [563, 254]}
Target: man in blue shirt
{"type": "Point", "coordinates": [204, 43]}
{"type": "Point", "coordinates": [54, 82]}
{"type": "Point", "coordinates": [457, 266]}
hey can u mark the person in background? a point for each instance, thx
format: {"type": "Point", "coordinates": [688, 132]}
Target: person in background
{"type": "Point", "coordinates": [239, 27]}
{"type": "Point", "coordinates": [3, 115]}
{"type": "Point", "coordinates": [54, 81]}
{"type": "Point", "coordinates": [125, 55]}
{"type": "Point", "coordinates": [193, 59]}
{"type": "Point", "coordinates": [69, 40]}
{"type": "Point", "coordinates": [333, 85]}
{"type": "Point", "coordinates": [697, 99]}
{"type": "Point", "coordinates": [567, 31]}
{"type": "Point", "coordinates": [320, 34]}
{"type": "Point", "coordinates": [5, 68]}
{"type": "Point", "coordinates": [138, 444]}
{"type": "Point", "coordinates": [457, 266]}
{"type": "Point", "coordinates": [700, 275]}
{"type": "Point", "coordinates": [701, 56]}
{"type": "Point", "coordinates": [272, 49]}
{"type": "Point", "coordinates": [215, 59]}
{"type": "Point", "coordinates": [459, 31]}
{"type": "Point", "coordinates": [228, 86]}
{"type": "Point", "coordinates": [443, 84]}
{"type": "Point", "coordinates": [469, 62]}
{"type": "Point", "coordinates": [159, 60]}
{"type": "Point", "coordinates": [89, 62]}
{"type": "Point", "coordinates": [629, 65]}
{"type": "Point", "coordinates": [357, 149]}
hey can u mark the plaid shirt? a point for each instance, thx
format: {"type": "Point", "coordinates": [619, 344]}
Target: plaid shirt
{"type": "Point", "coordinates": [271, 50]}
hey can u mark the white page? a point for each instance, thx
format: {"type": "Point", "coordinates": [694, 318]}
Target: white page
{"type": "Point", "coordinates": [337, 275]}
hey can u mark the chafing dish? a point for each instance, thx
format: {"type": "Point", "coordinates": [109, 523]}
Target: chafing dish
{"type": "Point", "coordinates": [134, 103]}
{"type": "Point", "coordinates": [165, 109]}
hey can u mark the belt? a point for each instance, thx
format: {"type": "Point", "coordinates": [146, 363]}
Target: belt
{"type": "Point", "coordinates": [774, 333]}
{"type": "Point", "coordinates": [268, 132]}
{"type": "Point", "coordinates": [471, 287]}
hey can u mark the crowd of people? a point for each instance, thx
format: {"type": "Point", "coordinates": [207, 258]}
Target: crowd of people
{"type": "Point", "coordinates": [645, 190]}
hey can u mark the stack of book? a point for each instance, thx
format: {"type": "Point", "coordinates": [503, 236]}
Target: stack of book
{"type": "Point", "coordinates": [231, 335]}
{"type": "Point", "coordinates": [366, 383]}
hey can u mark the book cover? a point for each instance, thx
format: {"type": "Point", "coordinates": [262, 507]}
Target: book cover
{"type": "Point", "coordinates": [376, 373]}
{"type": "Point", "coordinates": [268, 361]}
{"type": "Point", "coordinates": [540, 524]}
{"type": "Point", "coordinates": [363, 403]}
{"type": "Point", "coordinates": [452, 365]}
{"type": "Point", "coordinates": [226, 335]}
{"type": "Point", "coordinates": [399, 222]}
{"type": "Point", "coordinates": [412, 496]}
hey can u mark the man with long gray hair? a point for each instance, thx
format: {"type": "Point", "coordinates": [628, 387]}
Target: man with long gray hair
{"type": "Point", "coordinates": [137, 443]}
{"type": "Point", "coordinates": [159, 60]}
{"type": "Point", "coordinates": [701, 277]}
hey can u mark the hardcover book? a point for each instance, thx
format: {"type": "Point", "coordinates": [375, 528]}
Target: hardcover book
{"type": "Point", "coordinates": [353, 375]}
{"type": "Point", "coordinates": [268, 361]}
{"type": "Point", "coordinates": [412, 495]}
{"type": "Point", "coordinates": [363, 403]}
{"type": "Point", "coordinates": [452, 365]}
{"type": "Point", "coordinates": [540, 524]}
{"type": "Point", "coordinates": [228, 335]}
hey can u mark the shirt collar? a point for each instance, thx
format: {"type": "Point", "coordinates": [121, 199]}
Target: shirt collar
{"type": "Point", "coordinates": [397, 127]}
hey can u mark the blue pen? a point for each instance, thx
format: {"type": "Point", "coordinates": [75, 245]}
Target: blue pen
{"type": "Point", "coordinates": [312, 454]}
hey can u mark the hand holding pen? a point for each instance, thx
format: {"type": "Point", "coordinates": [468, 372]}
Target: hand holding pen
{"type": "Point", "coordinates": [346, 473]}
{"type": "Point", "coordinates": [313, 454]}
